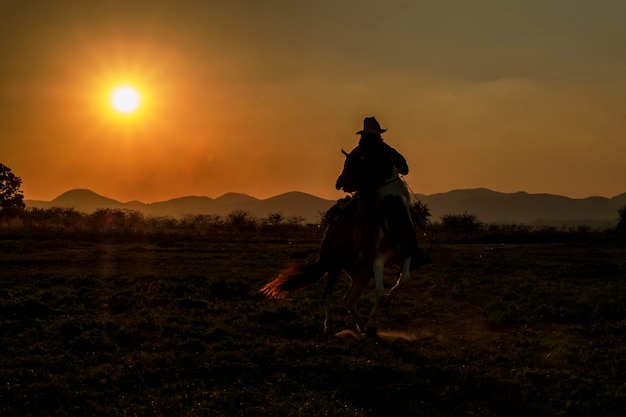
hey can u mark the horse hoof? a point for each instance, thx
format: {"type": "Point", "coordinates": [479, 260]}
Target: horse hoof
{"type": "Point", "coordinates": [327, 334]}
{"type": "Point", "coordinates": [386, 303]}
{"type": "Point", "coordinates": [371, 332]}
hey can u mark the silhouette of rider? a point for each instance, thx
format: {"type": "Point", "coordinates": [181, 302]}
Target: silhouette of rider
{"type": "Point", "coordinates": [374, 152]}
{"type": "Point", "coordinates": [377, 160]}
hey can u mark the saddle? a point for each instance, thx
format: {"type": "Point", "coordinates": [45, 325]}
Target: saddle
{"type": "Point", "coordinates": [402, 235]}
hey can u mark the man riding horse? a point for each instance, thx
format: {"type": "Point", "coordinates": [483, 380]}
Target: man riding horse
{"type": "Point", "coordinates": [373, 161]}
{"type": "Point", "coordinates": [364, 233]}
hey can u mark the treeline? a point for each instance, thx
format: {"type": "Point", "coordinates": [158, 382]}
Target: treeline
{"type": "Point", "coordinates": [67, 223]}
{"type": "Point", "coordinates": [105, 223]}
{"type": "Point", "coordinates": [467, 228]}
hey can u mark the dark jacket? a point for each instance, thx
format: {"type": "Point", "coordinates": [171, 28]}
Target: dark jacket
{"type": "Point", "coordinates": [373, 160]}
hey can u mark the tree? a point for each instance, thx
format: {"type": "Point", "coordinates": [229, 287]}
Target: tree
{"type": "Point", "coordinates": [621, 222]}
{"type": "Point", "coordinates": [461, 223]}
{"type": "Point", "coordinates": [421, 214]}
{"type": "Point", "coordinates": [11, 197]}
{"type": "Point", "coordinates": [274, 219]}
{"type": "Point", "coordinates": [241, 220]}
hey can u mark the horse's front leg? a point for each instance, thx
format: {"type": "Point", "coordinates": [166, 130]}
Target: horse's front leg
{"type": "Point", "coordinates": [378, 270]}
{"type": "Point", "coordinates": [331, 281]}
{"type": "Point", "coordinates": [326, 313]}
{"type": "Point", "coordinates": [402, 280]}
{"type": "Point", "coordinates": [359, 282]}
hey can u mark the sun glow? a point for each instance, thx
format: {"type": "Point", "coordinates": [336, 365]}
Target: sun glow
{"type": "Point", "coordinates": [125, 99]}
{"type": "Point", "coordinates": [125, 92]}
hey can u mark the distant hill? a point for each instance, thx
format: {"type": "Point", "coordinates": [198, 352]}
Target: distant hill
{"type": "Point", "coordinates": [489, 206]}
{"type": "Point", "coordinates": [521, 207]}
{"type": "Point", "coordinates": [290, 204]}
{"type": "Point", "coordinates": [87, 200]}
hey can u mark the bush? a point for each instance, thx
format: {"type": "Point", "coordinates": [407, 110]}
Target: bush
{"type": "Point", "coordinates": [621, 222]}
{"type": "Point", "coordinates": [108, 223]}
{"type": "Point", "coordinates": [67, 223]}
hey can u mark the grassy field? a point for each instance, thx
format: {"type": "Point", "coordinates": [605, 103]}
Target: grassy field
{"type": "Point", "coordinates": [178, 329]}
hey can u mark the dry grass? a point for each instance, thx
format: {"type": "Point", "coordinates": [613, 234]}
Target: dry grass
{"type": "Point", "coordinates": [101, 329]}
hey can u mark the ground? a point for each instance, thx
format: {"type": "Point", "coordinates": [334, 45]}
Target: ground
{"type": "Point", "coordinates": [169, 327]}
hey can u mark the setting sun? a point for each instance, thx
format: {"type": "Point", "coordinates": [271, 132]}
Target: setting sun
{"type": "Point", "coordinates": [125, 99]}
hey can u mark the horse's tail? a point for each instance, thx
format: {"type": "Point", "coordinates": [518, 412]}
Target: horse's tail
{"type": "Point", "coordinates": [293, 277]}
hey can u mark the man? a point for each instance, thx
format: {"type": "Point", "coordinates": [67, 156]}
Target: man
{"type": "Point", "coordinates": [375, 154]}
{"type": "Point", "coordinates": [373, 160]}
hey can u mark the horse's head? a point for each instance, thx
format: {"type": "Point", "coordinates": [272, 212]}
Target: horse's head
{"type": "Point", "coordinates": [363, 171]}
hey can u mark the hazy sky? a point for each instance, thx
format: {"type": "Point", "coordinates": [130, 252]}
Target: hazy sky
{"type": "Point", "coordinates": [259, 97]}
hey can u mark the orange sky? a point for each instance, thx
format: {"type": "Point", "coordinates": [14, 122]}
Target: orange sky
{"type": "Point", "coordinates": [259, 97]}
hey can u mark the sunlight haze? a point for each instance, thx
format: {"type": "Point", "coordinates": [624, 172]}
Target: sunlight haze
{"type": "Point", "coordinates": [260, 97]}
{"type": "Point", "coordinates": [125, 99]}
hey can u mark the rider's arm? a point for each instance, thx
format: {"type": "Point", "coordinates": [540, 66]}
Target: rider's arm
{"type": "Point", "coordinates": [399, 161]}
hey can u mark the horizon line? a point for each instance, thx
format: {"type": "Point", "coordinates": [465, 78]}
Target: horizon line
{"type": "Point", "coordinates": [313, 195]}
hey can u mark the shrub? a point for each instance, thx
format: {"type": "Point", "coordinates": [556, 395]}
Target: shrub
{"type": "Point", "coordinates": [621, 221]}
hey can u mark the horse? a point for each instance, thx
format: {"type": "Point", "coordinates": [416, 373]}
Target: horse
{"type": "Point", "coordinates": [342, 250]}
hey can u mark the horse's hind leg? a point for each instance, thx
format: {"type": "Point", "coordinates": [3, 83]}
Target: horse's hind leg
{"type": "Point", "coordinates": [402, 280]}
{"type": "Point", "coordinates": [372, 324]}
{"type": "Point", "coordinates": [359, 282]}
{"type": "Point", "coordinates": [331, 281]}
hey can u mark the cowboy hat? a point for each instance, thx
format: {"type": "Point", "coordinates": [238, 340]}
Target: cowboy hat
{"type": "Point", "coordinates": [371, 125]}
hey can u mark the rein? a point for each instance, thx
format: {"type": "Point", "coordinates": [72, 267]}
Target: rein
{"type": "Point", "coordinates": [390, 181]}
{"type": "Point", "coordinates": [428, 229]}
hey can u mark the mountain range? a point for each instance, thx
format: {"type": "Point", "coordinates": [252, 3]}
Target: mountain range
{"type": "Point", "coordinates": [489, 206]}
{"type": "Point", "coordinates": [289, 204]}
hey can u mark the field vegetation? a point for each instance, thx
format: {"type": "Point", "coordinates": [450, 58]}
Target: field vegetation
{"type": "Point", "coordinates": [114, 313]}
